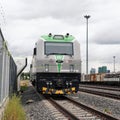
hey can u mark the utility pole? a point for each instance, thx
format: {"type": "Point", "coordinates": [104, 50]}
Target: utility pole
{"type": "Point", "coordinates": [87, 17]}
{"type": "Point", "coordinates": [114, 63]}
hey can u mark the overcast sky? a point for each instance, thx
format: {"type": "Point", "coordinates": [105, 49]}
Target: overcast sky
{"type": "Point", "coordinates": [24, 21]}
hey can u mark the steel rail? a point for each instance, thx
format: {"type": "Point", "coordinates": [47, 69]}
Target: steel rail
{"type": "Point", "coordinates": [100, 114]}
{"type": "Point", "coordinates": [63, 110]}
{"type": "Point", "coordinates": [101, 87]}
{"type": "Point", "coordinates": [105, 94]}
{"type": "Point", "coordinates": [71, 116]}
{"type": "Point", "coordinates": [57, 106]}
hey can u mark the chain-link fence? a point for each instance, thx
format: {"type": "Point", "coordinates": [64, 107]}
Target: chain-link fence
{"type": "Point", "coordinates": [8, 72]}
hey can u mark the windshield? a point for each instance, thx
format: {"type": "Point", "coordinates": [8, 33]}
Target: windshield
{"type": "Point", "coordinates": [58, 48]}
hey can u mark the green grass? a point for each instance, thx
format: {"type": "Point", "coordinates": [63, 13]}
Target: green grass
{"type": "Point", "coordinates": [23, 88]}
{"type": "Point", "coordinates": [14, 110]}
{"type": "Point", "coordinates": [106, 110]}
{"type": "Point", "coordinates": [24, 85]}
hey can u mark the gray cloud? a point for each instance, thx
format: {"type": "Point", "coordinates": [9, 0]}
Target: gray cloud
{"type": "Point", "coordinates": [68, 10]}
{"type": "Point", "coordinates": [109, 34]}
{"type": "Point", "coordinates": [27, 20]}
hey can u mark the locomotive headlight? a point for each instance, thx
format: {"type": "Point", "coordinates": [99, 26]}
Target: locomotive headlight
{"type": "Point", "coordinates": [50, 83]}
{"type": "Point", "coordinates": [70, 83]}
{"type": "Point", "coordinates": [71, 68]}
{"type": "Point", "coordinates": [67, 83]}
{"type": "Point", "coordinates": [47, 83]}
{"type": "Point", "coordinates": [46, 67]}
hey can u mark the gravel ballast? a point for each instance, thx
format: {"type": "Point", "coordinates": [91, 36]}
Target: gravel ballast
{"type": "Point", "coordinates": [38, 108]}
{"type": "Point", "coordinates": [103, 104]}
{"type": "Point", "coordinates": [34, 106]}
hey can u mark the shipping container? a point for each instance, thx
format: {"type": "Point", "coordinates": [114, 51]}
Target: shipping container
{"type": "Point", "coordinates": [102, 76]}
{"type": "Point", "coordinates": [98, 77]}
{"type": "Point", "coordinates": [87, 77]}
{"type": "Point", "coordinates": [92, 77]}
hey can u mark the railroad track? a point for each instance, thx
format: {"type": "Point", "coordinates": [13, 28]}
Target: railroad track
{"type": "Point", "coordinates": [101, 93]}
{"type": "Point", "coordinates": [101, 87]}
{"type": "Point", "coordinates": [69, 109]}
{"type": "Point", "coordinates": [74, 110]}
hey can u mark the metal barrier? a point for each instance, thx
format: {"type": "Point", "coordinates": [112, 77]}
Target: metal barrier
{"type": "Point", "coordinates": [8, 72]}
{"type": "Point", "coordinates": [12, 77]}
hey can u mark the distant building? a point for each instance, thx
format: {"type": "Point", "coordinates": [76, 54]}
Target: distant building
{"type": "Point", "coordinates": [92, 71]}
{"type": "Point", "coordinates": [103, 69]}
{"type": "Point", "coordinates": [100, 70]}
{"type": "Point", "coordinates": [108, 71]}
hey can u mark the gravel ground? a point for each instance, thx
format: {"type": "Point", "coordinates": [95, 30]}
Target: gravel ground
{"type": "Point", "coordinates": [34, 106]}
{"type": "Point", "coordinates": [101, 103]}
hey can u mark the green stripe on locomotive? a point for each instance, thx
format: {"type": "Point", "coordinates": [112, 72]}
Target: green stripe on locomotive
{"type": "Point", "coordinates": [54, 38]}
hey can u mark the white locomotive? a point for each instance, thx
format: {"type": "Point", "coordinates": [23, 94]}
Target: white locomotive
{"type": "Point", "coordinates": [56, 64]}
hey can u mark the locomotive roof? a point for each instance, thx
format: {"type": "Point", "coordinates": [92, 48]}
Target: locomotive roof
{"type": "Point", "coordinates": [58, 38]}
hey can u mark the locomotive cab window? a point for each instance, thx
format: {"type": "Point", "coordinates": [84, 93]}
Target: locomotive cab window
{"type": "Point", "coordinates": [55, 48]}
